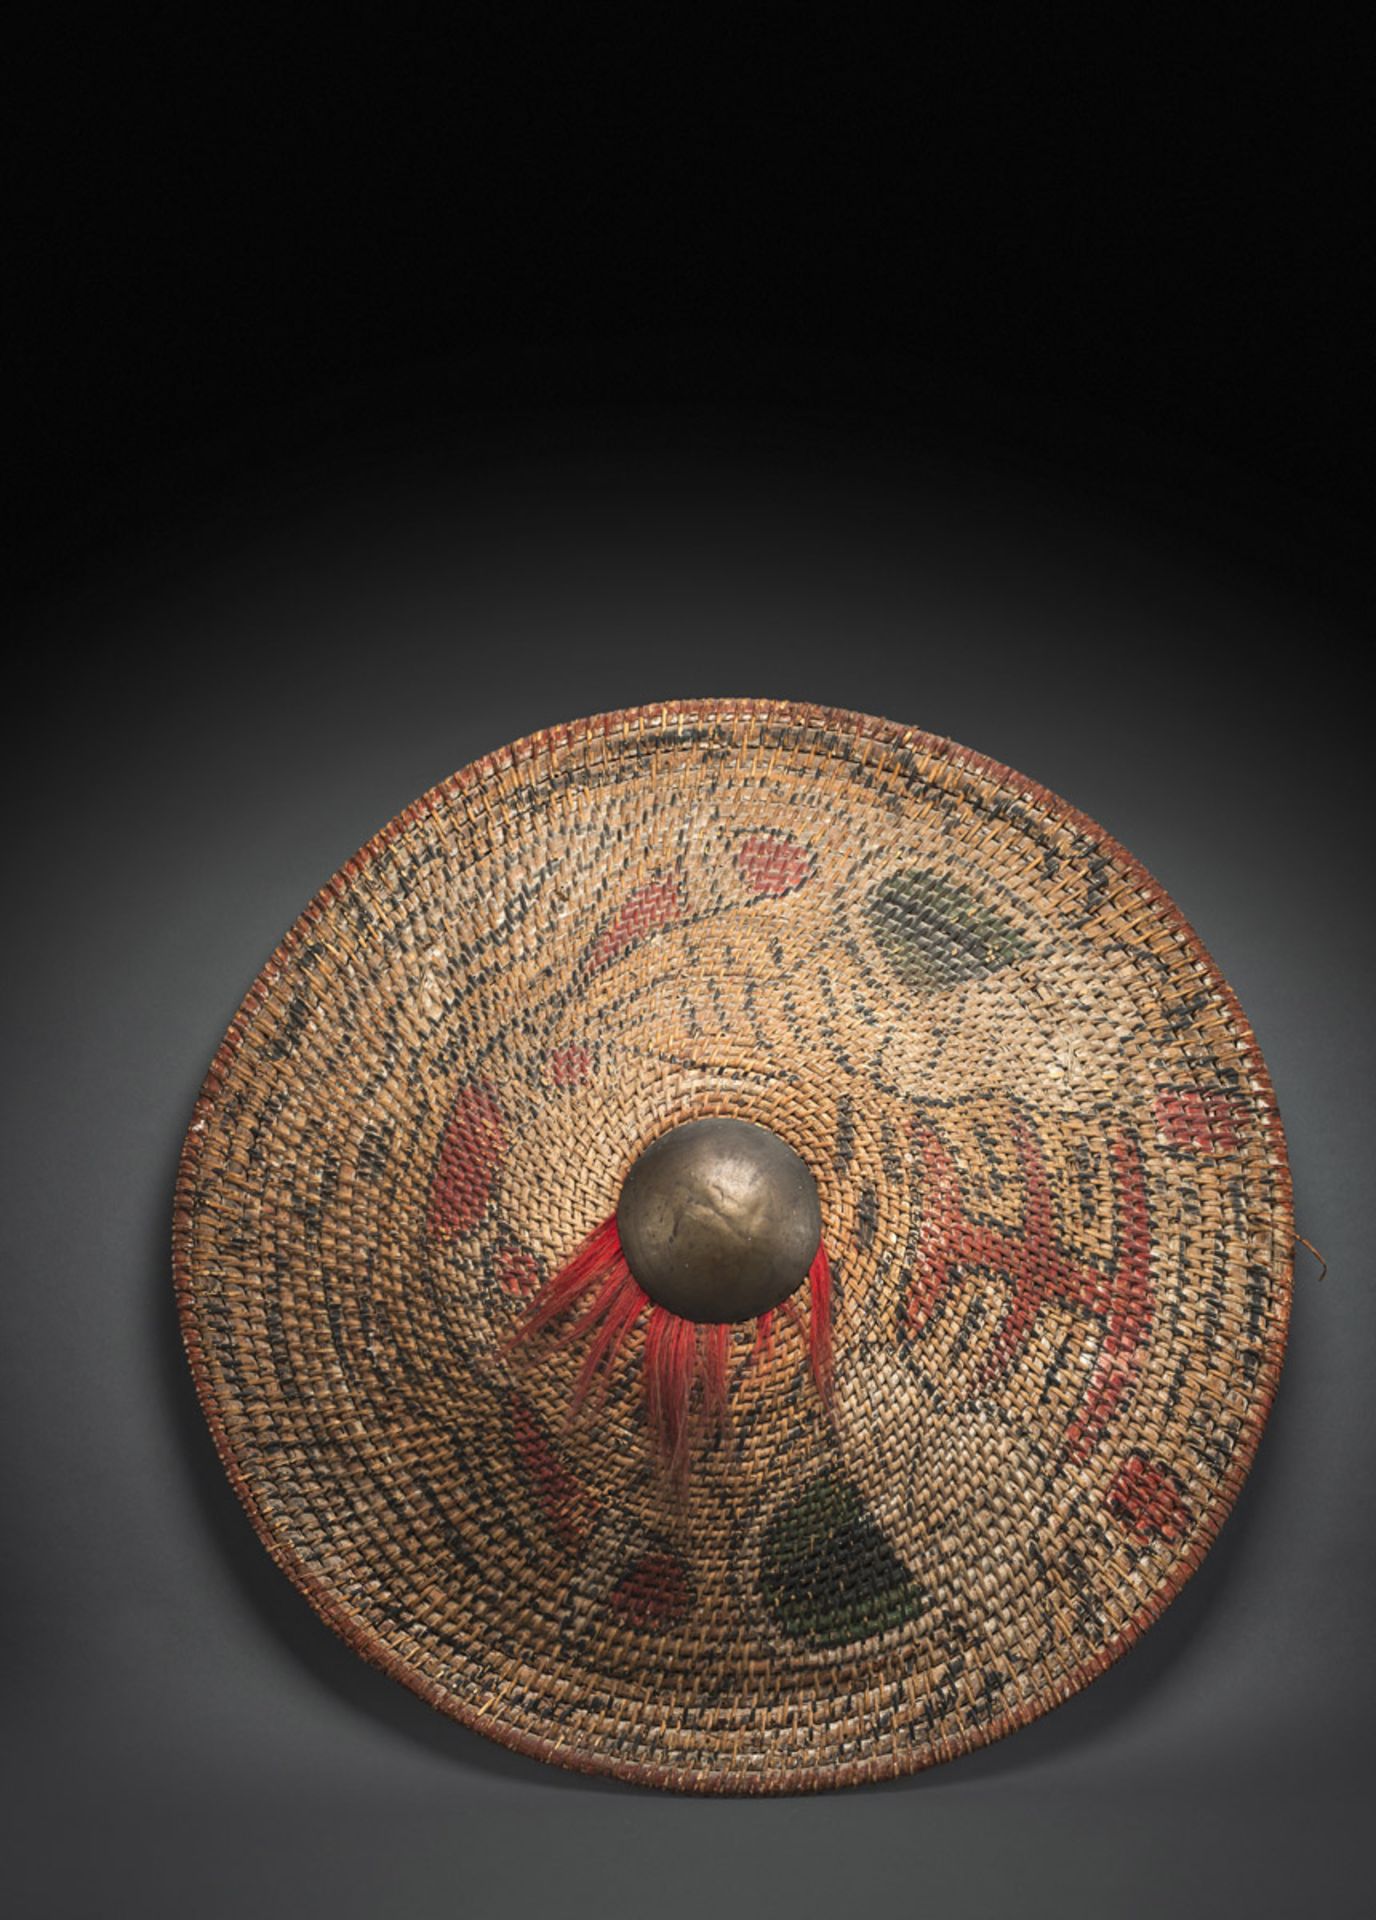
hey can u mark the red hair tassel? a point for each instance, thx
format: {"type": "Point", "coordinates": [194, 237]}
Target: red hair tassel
{"type": "Point", "coordinates": [685, 1363]}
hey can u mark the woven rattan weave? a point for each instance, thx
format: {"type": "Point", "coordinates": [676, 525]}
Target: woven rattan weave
{"type": "Point", "coordinates": [1054, 1194]}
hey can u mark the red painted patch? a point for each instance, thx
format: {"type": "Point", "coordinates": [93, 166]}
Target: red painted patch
{"type": "Point", "coordinates": [568, 1507]}
{"type": "Point", "coordinates": [773, 863]}
{"type": "Point", "coordinates": [569, 1066]}
{"type": "Point", "coordinates": [519, 1271]}
{"type": "Point", "coordinates": [1145, 1497]}
{"type": "Point", "coordinates": [653, 1593]}
{"type": "Point", "coordinates": [659, 903]}
{"type": "Point", "coordinates": [470, 1153]}
{"type": "Point", "coordinates": [1037, 1271]}
{"type": "Point", "coordinates": [1196, 1120]}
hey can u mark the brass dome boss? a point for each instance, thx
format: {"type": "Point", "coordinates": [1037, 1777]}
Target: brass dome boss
{"type": "Point", "coordinates": [719, 1220]}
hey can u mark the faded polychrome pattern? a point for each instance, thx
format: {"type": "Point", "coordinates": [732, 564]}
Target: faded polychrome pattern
{"type": "Point", "coordinates": [1053, 1190]}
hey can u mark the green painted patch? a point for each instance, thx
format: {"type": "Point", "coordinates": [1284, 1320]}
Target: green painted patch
{"type": "Point", "coordinates": [827, 1573]}
{"type": "Point", "coordinates": [934, 933]}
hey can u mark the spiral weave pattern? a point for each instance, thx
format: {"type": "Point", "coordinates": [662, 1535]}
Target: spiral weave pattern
{"type": "Point", "coordinates": [1055, 1199]}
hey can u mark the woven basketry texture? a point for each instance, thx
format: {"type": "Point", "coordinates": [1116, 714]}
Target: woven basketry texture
{"type": "Point", "coordinates": [1054, 1193]}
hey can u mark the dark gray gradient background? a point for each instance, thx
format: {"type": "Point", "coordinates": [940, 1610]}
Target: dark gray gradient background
{"type": "Point", "coordinates": [232, 703]}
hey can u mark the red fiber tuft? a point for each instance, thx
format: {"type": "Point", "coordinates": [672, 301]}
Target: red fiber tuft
{"type": "Point", "coordinates": [671, 1366]}
{"type": "Point", "coordinates": [605, 1347]}
{"type": "Point", "coordinates": [715, 1341]}
{"type": "Point", "coordinates": [600, 1252]}
{"type": "Point", "coordinates": [686, 1366]}
{"type": "Point", "coordinates": [819, 1321]}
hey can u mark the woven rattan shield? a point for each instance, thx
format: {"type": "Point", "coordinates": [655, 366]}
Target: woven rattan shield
{"type": "Point", "coordinates": [445, 1201]}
